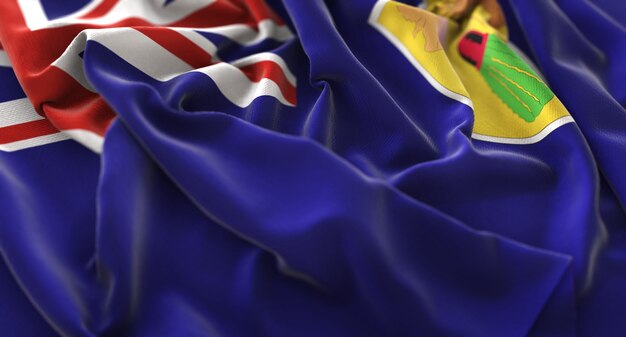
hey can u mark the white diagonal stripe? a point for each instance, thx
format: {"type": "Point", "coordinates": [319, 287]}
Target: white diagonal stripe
{"type": "Point", "coordinates": [245, 35]}
{"type": "Point", "coordinates": [140, 51]}
{"type": "Point", "coordinates": [256, 58]}
{"type": "Point", "coordinates": [200, 41]}
{"type": "Point", "coordinates": [237, 88]}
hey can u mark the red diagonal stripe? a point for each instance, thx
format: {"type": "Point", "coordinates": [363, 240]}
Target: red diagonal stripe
{"type": "Point", "coordinates": [270, 70]}
{"type": "Point", "coordinates": [178, 45]}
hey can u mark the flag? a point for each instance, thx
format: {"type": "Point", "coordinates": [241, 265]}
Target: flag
{"type": "Point", "coordinates": [312, 168]}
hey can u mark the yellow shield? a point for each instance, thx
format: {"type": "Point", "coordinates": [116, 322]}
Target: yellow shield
{"type": "Point", "coordinates": [431, 44]}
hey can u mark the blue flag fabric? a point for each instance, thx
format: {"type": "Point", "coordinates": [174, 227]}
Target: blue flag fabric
{"type": "Point", "coordinates": [285, 169]}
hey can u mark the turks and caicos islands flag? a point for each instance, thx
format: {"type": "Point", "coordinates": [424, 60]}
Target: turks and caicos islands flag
{"type": "Point", "coordinates": [161, 39]}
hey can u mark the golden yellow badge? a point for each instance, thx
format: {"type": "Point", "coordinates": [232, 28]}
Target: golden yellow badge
{"type": "Point", "coordinates": [475, 65]}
